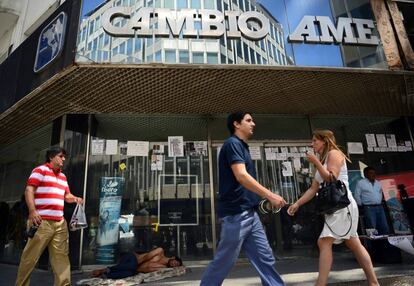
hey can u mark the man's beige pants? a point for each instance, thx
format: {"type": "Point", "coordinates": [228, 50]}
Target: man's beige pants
{"type": "Point", "coordinates": [54, 235]}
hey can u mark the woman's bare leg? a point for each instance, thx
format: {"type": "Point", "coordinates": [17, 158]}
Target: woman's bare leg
{"type": "Point", "coordinates": [325, 259]}
{"type": "Point", "coordinates": [363, 258]}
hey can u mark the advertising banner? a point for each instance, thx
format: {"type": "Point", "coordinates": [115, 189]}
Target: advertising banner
{"type": "Point", "coordinates": [392, 197]}
{"type": "Point", "coordinates": [111, 189]}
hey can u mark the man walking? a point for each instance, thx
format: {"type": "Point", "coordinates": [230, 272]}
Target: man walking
{"type": "Point", "coordinates": [239, 195]}
{"type": "Point", "coordinates": [46, 191]}
{"type": "Point", "coordinates": [368, 194]}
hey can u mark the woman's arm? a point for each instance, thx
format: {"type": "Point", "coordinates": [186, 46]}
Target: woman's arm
{"type": "Point", "coordinates": [335, 159]}
{"type": "Point", "coordinates": [307, 196]}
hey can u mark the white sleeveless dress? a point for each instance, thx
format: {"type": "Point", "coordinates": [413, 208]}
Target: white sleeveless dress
{"type": "Point", "coordinates": [340, 222]}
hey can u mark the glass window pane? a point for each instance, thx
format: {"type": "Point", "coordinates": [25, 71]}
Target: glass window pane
{"type": "Point", "coordinates": [170, 56]}
{"type": "Point", "coordinates": [169, 4]}
{"type": "Point", "coordinates": [129, 46]}
{"type": "Point", "coordinates": [196, 4]}
{"type": "Point", "coordinates": [184, 58]}
{"type": "Point", "coordinates": [137, 44]}
{"type": "Point", "coordinates": [198, 58]}
{"type": "Point", "coordinates": [209, 4]}
{"type": "Point", "coordinates": [212, 58]}
{"type": "Point", "coordinates": [181, 4]}
{"type": "Point", "coordinates": [158, 56]}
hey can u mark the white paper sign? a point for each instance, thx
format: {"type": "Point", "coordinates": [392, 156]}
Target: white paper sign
{"type": "Point", "coordinates": [201, 147]}
{"type": "Point", "coordinates": [175, 146]}
{"type": "Point", "coordinates": [97, 146]}
{"type": "Point", "coordinates": [137, 148]}
{"type": "Point", "coordinates": [287, 169]}
{"type": "Point", "coordinates": [297, 164]}
{"type": "Point", "coordinates": [355, 148]}
{"type": "Point", "coordinates": [271, 156]}
{"type": "Point", "coordinates": [382, 141]}
{"type": "Point", "coordinates": [391, 140]}
{"type": "Point", "coordinates": [404, 243]}
{"type": "Point", "coordinates": [281, 156]}
{"type": "Point", "coordinates": [293, 149]}
{"type": "Point", "coordinates": [255, 153]}
{"type": "Point", "coordinates": [111, 147]}
{"type": "Point", "coordinates": [371, 142]}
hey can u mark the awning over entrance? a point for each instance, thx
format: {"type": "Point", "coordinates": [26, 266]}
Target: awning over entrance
{"type": "Point", "coordinates": [191, 89]}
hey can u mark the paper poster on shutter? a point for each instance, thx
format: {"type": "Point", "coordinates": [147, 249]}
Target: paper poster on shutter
{"type": "Point", "coordinates": [287, 169]}
{"type": "Point", "coordinates": [255, 153]}
{"type": "Point", "coordinates": [138, 148]}
{"type": "Point", "coordinates": [355, 148]}
{"type": "Point", "coordinates": [175, 146]}
{"type": "Point", "coordinates": [382, 141]}
{"type": "Point", "coordinates": [297, 164]}
{"type": "Point", "coordinates": [97, 147]}
{"type": "Point", "coordinates": [371, 142]}
{"type": "Point", "coordinates": [111, 147]}
{"type": "Point", "coordinates": [391, 140]}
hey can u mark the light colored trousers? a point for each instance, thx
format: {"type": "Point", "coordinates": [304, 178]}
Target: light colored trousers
{"type": "Point", "coordinates": [242, 231]}
{"type": "Point", "coordinates": [54, 235]}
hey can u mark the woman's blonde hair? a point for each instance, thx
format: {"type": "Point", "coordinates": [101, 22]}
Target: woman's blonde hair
{"type": "Point", "coordinates": [328, 137]}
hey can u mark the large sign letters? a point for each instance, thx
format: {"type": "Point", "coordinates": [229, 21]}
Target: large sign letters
{"type": "Point", "coordinates": [347, 31]}
{"type": "Point", "coordinates": [251, 25]}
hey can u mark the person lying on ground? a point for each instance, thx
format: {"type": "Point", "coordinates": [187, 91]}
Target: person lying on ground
{"type": "Point", "coordinates": [133, 263]}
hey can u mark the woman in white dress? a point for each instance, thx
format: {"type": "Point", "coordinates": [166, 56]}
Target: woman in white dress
{"type": "Point", "coordinates": [341, 226]}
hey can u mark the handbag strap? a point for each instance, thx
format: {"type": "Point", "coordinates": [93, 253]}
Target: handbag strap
{"type": "Point", "coordinates": [332, 177]}
{"type": "Point", "coordinates": [350, 225]}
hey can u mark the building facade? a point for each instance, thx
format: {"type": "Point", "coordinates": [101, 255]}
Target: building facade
{"type": "Point", "coordinates": [138, 92]}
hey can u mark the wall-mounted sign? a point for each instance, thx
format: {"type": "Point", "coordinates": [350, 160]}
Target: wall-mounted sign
{"type": "Point", "coordinates": [347, 31]}
{"type": "Point", "coordinates": [50, 43]}
{"type": "Point", "coordinates": [252, 25]}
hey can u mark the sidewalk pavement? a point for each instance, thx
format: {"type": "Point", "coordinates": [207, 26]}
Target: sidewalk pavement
{"type": "Point", "coordinates": [295, 271]}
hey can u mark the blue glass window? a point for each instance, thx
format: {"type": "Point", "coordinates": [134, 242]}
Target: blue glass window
{"type": "Point", "coordinates": [183, 57]}
{"type": "Point", "coordinates": [209, 4]}
{"type": "Point", "coordinates": [129, 46]}
{"type": "Point", "coordinates": [198, 58]}
{"type": "Point", "coordinates": [181, 4]}
{"type": "Point", "coordinates": [170, 56]}
{"type": "Point", "coordinates": [212, 58]}
{"type": "Point", "coordinates": [196, 4]}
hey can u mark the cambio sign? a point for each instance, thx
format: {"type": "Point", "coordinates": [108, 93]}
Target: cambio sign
{"type": "Point", "coordinates": [175, 22]}
{"type": "Point", "coordinates": [347, 31]}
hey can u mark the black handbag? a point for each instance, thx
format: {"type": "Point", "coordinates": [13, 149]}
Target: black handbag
{"type": "Point", "coordinates": [331, 196]}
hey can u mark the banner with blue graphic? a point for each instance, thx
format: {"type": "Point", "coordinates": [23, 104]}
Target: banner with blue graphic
{"type": "Point", "coordinates": [111, 189]}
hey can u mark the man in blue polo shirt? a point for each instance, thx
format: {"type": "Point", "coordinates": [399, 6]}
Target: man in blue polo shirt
{"type": "Point", "coordinates": [239, 195]}
{"type": "Point", "coordinates": [368, 194]}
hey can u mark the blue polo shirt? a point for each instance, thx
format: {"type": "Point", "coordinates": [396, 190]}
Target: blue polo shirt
{"type": "Point", "coordinates": [233, 198]}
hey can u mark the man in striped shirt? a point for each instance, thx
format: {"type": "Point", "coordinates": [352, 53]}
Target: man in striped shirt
{"type": "Point", "coordinates": [46, 191]}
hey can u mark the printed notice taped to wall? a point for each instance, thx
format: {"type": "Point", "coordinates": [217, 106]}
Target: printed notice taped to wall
{"type": "Point", "coordinates": [175, 146]}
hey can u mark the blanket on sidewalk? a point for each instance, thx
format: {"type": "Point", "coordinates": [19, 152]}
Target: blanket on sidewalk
{"type": "Point", "coordinates": [137, 279]}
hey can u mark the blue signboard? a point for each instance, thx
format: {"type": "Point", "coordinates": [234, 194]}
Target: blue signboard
{"type": "Point", "coordinates": [111, 189]}
{"type": "Point", "coordinates": [50, 42]}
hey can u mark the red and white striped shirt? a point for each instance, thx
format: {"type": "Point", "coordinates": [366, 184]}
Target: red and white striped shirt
{"type": "Point", "coordinates": [51, 188]}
